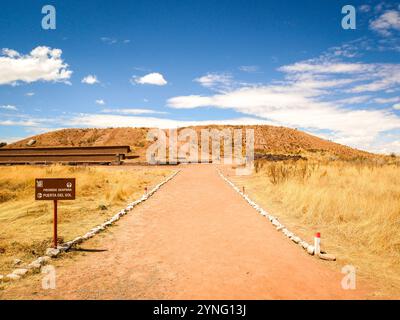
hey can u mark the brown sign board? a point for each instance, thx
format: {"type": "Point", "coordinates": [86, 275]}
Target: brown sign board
{"type": "Point", "coordinates": [55, 189]}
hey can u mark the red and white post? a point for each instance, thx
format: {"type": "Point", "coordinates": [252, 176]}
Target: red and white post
{"type": "Point", "coordinates": [317, 243]}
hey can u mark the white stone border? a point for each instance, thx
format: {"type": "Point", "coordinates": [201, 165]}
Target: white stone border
{"type": "Point", "coordinates": [275, 222]}
{"type": "Point", "coordinates": [36, 265]}
{"type": "Point", "coordinates": [67, 245]}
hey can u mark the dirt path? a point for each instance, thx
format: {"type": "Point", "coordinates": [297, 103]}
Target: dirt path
{"type": "Point", "coordinates": [194, 239]}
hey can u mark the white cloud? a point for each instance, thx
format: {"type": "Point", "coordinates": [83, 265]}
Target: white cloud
{"type": "Point", "coordinates": [189, 102]}
{"type": "Point", "coordinates": [325, 67]}
{"type": "Point", "coordinates": [387, 100]}
{"type": "Point", "coordinates": [215, 80]}
{"type": "Point", "coordinates": [367, 77]}
{"type": "Point", "coordinates": [30, 94]}
{"type": "Point", "coordinates": [108, 40]}
{"type": "Point", "coordinates": [41, 64]}
{"type": "Point", "coordinates": [104, 121]}
{"type": "Point", "coordinates": [100, 102]}
{"type": "Point", "coordinates": [90, 79]}
{"type": "Point", "coordinates": [304, 100]}
{"type": "Point", "coordinates": [249, 69]}
{"type": "Point", "coordinates": [396, 106]}
{"type": "Point", "coordinates": [18, 123]}
{"type": "Point", "coordinates": [9, 140]}
{"type": "Point", "coordinates": [387, 147]}
{"type": "Point", "coordinates": [10, 53]}
{"type": "Point", "coordinates": [154, 78]}
{"type": "Point", "coordinates": [292, 109]}
{"type": "Point", "coordinates": [341, 52]}
{"type": "Point", "coordinates": [295, 109]}
{"type": "Point", "coordinates": [9, 107]}
{"type": "Point", "coordinates": [133, 111]}
{"type": "Point", "coordinates": [379, 77]}
{"type": "Point", "coordinates": [111, 41]}
{"type": "Point", "coordinates": [365, 8]}
{"type": "Point", "coordinates": [386, 23]}
{"type": "Point", "coordinates": [353, 100]}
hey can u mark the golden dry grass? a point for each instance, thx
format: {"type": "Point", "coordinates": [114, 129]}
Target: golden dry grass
{"type": "Point", "coordinates": [355, 205]}
{"type": "Point", "coordinates": [26, 224]}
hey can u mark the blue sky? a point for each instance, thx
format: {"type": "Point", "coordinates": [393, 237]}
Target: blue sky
{"type": "Point", "coordinates": [173, 63]}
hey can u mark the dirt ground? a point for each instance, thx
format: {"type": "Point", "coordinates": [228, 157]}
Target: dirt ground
{"type": "Point", "coordinates": [194, 239]}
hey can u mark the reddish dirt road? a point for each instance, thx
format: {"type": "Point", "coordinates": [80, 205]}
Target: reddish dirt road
{"type": "Point", "coordinates": [194, 239]}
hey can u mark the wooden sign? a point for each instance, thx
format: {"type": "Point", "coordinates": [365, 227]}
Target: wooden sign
{"type": "Point", "coordinates": [55, 189]}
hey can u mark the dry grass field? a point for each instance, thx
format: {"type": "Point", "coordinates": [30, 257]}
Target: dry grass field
{"type": "Point", "coordinates": [352, 197]}
{"type": "Point", "coordinates": [26, 224]}
{"type": "Point", "coordinates": [354, 204]}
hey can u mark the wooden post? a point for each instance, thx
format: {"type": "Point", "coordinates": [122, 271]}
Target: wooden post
{"type": "Point", "coordinates": [55, 225]}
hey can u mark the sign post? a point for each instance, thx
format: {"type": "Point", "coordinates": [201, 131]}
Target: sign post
{"type": "Point", "coordinates": [55, 189]}
{"type": "Point", "coordinates": [55, 225]}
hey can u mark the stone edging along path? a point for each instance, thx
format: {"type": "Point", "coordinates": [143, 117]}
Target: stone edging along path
{"type": "Point", "coordinates": [279, 227]}
{"type": "Point", "coordinates": [35, 266]}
